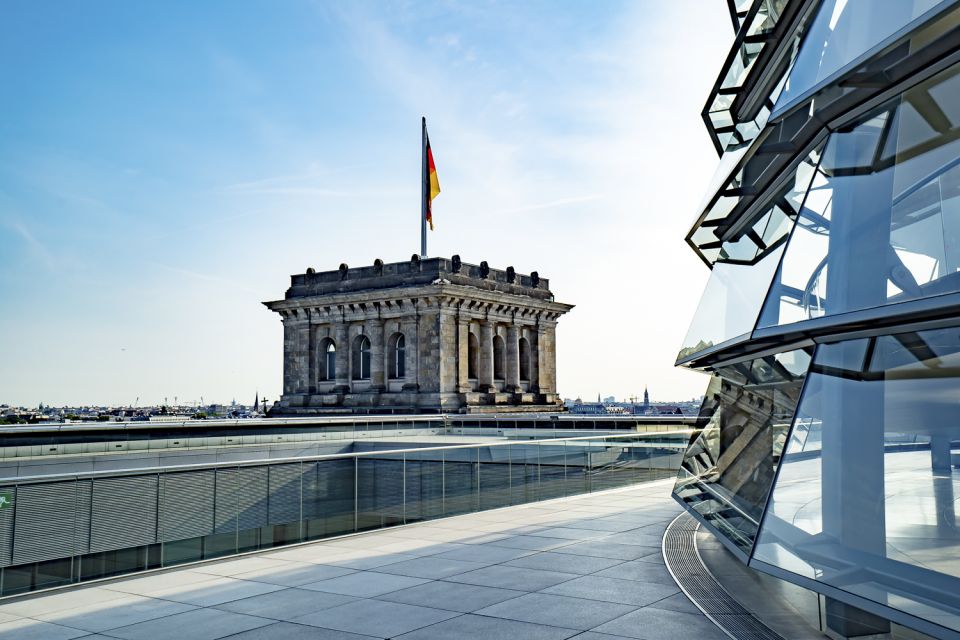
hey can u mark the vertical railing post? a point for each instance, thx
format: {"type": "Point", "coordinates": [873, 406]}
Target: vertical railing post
{"type": "Point", "coordinates": [477, 503]}
{"type": "Point", "coordinates": [404, 471]}
{"type": "Point", "coordinates": [443, 481]}
{"type": "Point", "coordinates": [302, 527]}
{"type": "Point", "coordinates": [356, 494]}
{"type": "Point", "coordinates": [510, 473]}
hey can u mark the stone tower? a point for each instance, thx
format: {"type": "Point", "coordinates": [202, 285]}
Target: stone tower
{"type": "Point", "coordinates": [431, 335]}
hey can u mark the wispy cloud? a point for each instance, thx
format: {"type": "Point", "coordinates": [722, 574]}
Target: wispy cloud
{"type": "Point", "coordinates": [36, 248]}
{"type": "Point", "coordinates": [203, 277]}
{"type": "Point", "coordinates": [562, 202]}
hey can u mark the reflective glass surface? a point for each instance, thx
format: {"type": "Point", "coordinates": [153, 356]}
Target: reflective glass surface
{"type": "Point", "coordinates": [843, 31]}
{"type": "Point", "coordinates": [727, 471]}
{"type": "Point", "coordinates": [866, 497]}
{"type": "Point", "coordinates": [744, 267]}
{"type": "Point", "coordinates": [881, 222]}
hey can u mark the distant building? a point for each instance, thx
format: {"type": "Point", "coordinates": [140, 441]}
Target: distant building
{"type": "Point", "coordinates": [423, 335]}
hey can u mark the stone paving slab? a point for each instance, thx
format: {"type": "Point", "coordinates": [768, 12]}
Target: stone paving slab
{"type": "Point", "coordinates": [587, 566]}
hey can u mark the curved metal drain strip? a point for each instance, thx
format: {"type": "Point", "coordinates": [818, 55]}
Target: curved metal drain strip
{"type": "Point", "coordinates": [695, 580]}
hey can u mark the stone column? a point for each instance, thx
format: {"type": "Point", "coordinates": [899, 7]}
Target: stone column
{"type": "Point", "coordinates": [534, 335]}
{"type": "Point", "coordinates": [512, 382]}
{"type": "Point", "coordinates": [486, 357]}
{"type": "Point", "coordinates": [312, 355]}
{"type": "Point", "coordinates": [546, 357]}
{"type": "Point", "coordinates": [374, 331]}
{"type": "Point", "coordinates": [539, 373]}
{"type": "Point", "coordinates": [342, 332]}
{"type": "Point", "coordinates": [290, 373]}
{"type": "Point", "coordinates": [463, 355]}
{"type": "Point", "coordinates": [409, 329]}
{"type": "Point", "coordinates": [548, 373]}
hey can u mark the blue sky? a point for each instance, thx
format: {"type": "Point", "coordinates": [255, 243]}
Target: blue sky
{"type": "Point", "coordinates": [165, 166]}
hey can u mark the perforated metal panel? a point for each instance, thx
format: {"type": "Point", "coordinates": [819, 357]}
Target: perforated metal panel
{"type": "Point", "coordinates": [6, 527]}
{"type": "Point", "coordinates": [81, 529]}
{"type": "Point", "coordinates": [251, 497]}
{"type": "Point", "coordinates": [186, 505]}
{"type": "Point", "coordinates": [284, 505]}
{"type": "Point", "coordinates": [225, 501]}
{"type": "Point", "coordinates": [123, 513]}
{"type": "Point", "coordinates": [44, 527]}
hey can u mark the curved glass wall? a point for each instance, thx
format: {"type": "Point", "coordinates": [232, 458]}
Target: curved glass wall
{"type": "Point", "coordinates": [881, 222]}
{"type": "Point", "coordinates": [727, 471]}
{"type": "Point", "coordinates": [867, 494]}
{"type": "Point", "coordinates": [843, 31]}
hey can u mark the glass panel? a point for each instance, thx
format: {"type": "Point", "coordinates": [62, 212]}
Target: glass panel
{"type": "Point", "coordinates": [730, 303]}
{"type": "Point", "coordinates": [524, 473]}
{"type": "Point", "coordinates": [727, 471]}
{"type": "Point", "coordinates": [576, 458]}
{"type": "Point", "coordinates": [328, 498]}
{"type": "Point", "coordinates": [881, 223]}
{"type": "Point", "coordinates": [741, 276]}
{"type": "Point", "coordinates": [423, 485]}
{"type": "Point", "coordinates": [460, 481]}
{"type": "Point", "coordinates": [180, 551]}
{"type": "Point", "coordinates": [843, 31]}
{"type": "Point", "coordinates": [494, 477]}
{"type": "Point", "coordinates": [866, 498]}
{"type": "Point", "coordinates": [552, 471]}
{"type": "Point", "coordinates": [380, 491]}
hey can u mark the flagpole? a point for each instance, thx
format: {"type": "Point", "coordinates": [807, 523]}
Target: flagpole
{"type": "Point", "coordinates": [424, 188]}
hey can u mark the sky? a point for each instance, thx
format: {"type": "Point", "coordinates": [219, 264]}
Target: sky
{"type": "Point", "coordinates": [166, 166]}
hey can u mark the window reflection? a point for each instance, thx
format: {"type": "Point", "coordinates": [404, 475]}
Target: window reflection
{"type": "Point", "coordinates": [881, 222]}
{"type": "Point", "coordinates": [843, 31]}
{"type": "Point", "coordinates": [727, 471]}
{"type": "Point", "coordinates": [866, 499]}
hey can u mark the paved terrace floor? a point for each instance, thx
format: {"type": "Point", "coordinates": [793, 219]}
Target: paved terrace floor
{"type": "Point", "coordinates": [586, 567]}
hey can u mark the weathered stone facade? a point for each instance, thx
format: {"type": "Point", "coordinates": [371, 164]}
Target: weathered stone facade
{"type": "Point", "coordinates": [418, 336]}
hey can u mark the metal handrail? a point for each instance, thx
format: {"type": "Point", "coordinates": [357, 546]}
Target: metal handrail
{"type": "Point", "coordinates": [314, 458]}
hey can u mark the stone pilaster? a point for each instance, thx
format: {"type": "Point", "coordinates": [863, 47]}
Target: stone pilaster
{"type": "Point", "coordinates": [342, 341]}
{"type": "Point", "coordinates": [486, 357]}
{"type": "Point", "coordinates": [463, 355]}
{"type": "Point", "coordinates": [533, 336]}
{"type": "Point", "coordinates": [312, 355]}
{"type": "Point", "coordinates": [296, 353]}
{"type": "Point", "coordinates": [548, 365]}
{"type": "Point", "coordinates": [512, 381]}
{"type": "Point", "coordinates": [429, 347]}
{"type": "Point", "coordinates": [448, 350]}
{"type": "Point", "coordinates": [409, 329]}
{"type": "Point", "coordinates": [374, 331]}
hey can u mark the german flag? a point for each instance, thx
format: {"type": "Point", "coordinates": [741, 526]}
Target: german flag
{"type": "Point", "coordinates": [434, 184]}
{"type": "Point", "coordinates": [431, 187]}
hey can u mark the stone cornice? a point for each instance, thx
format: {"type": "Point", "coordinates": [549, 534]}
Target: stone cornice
{"type": "Point", "coordinates": [467, 301]}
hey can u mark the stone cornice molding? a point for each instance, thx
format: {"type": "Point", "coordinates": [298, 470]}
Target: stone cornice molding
{"type": "Point", "coordinates": [441, 294]}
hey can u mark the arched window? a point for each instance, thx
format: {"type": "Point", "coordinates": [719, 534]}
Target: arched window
{"type": "Point", "coordinates": [524, 359]}
{"type": "Point", "coordinates": [397, 356]}
{"type": "Point", "coordinates": [328, 360]}
{"type": "Point", "coordinates": [498, 348]}
{"type": "Point", "coordinates": [361, 358]}
{"type": "Point", "coordinates": [473, 355]}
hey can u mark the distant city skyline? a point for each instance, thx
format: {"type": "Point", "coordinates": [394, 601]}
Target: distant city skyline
{"type": "Point", "coordinates": [164, 170]}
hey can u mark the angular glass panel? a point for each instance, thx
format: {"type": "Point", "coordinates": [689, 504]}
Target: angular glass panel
{"type": "Point", "coordinates": [843, 31]}
{"type": "Point", "coordinates": [744, 268]}
{"type": "Point", "coordinates": [727, 471]}
{"type": "Point", "coordinates": [866, 497]}
{"type": "Point", "coordinates": [881, 222]}
{"type": "Point", "coordinates": [730, 303]}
